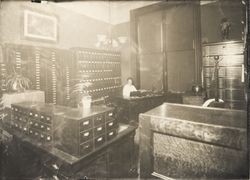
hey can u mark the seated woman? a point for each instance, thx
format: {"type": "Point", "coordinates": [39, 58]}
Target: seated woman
{"type": "Point", "coordinates": [128, 88]}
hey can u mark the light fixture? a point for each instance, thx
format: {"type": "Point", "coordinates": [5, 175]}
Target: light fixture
{"type": "Point", "coordinates": [107, 41]}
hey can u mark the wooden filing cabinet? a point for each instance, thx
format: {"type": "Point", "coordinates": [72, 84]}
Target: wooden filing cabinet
{"type": "Point", "coordinates": [74, 131]}
{"type": "Point", "coordinates": [231, 72]}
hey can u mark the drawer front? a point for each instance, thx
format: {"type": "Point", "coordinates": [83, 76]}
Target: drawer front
{"type": "Point", "coordinates": [21, 126]}
{"type": "Point", "coordinates": [208, 82]}
{"type": "Point", "coordinates": [211, 93]}
{"type": "Point", "coordinates": [234, 72]}
{"type": "Point", "coordinates": [99, 130]}
{"type": "Point", "coordinates": [86, 148]}
{"type": "Point", "coordinates": [223, 49]}
{"type": "Point", "coordinates": [36, 116]}
{"type": "Point", "coordinates": [40, 126]}
{"type": "Point", "coordinates": [86, 136]}
{"type": "Point", "coordinates": [111, 125]}
{"type": "Point", "coordinates": [20, 117]}
{"type": "Point", "coordinates": [99, 141]}
{"type": "Point", "coordinates": [239, 105]}
{"type": "Point", "coordinates": [110, 116]}
{"type": "Point", "coordinates": [233, 60]}
{"type": "Point", "coordinates": [209, 72]}
{"type": "Point", "coordinates": [46, 119]}
{"type": "Point", "coordinates": [15, 109]}
{"type": "Point", "coordinates": [86, 124]}
{"type": "Point", "coordinates": [234, 83]}
{"type": "Point", "coordinates": [234, 94]}
{"type": "Point", "coordinates": [34, 133]}
{"type": "Point", "coordinates": [98, 120]}
{"type": "Point", "coordinates": [24, 118]}
{"type": "Point", "coordinates": [112, 134]}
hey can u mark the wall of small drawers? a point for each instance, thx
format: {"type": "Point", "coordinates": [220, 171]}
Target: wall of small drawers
{"type": "Point", "coordinates": [82, 137]}
{"type": "Point", "coordinates": [102, 69]}
{"type": "Point", "coordinates": [34, 124]}
{"type": "Point", "coordinates": [231, 72]}
{"type": "Point", "coordinates": [55, 70]}
{"type": "Point", "coordinates": [72, 134]}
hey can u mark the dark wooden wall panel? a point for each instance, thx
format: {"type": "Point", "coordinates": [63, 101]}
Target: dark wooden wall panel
{"type": "Point", "coordinates": [180, 70]}
{"type": "Point", "coordinates": [170, 30]}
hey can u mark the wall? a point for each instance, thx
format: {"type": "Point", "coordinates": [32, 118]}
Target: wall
{"type": "Point", "coordinates": [211, 15]}
{"type": "Point", "coordinates": [73, 29]}
{"type": "Point", "coordinates": [123, 29]}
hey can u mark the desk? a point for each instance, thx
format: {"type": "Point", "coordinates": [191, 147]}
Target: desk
{"type": "Point", "coordinates": [130, 108]}
{"type": "Point", "coordinates": [29, 159]}
{"type": "Point", "coordinates": [191, 142]}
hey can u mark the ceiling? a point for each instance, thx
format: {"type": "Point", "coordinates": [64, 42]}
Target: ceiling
{"type": "Point", "coordinates": [113, 12]}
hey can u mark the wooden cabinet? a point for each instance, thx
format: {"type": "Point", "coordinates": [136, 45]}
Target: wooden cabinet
{"type": "Point", "coordinates": [167, 44]}
{"type": "Point", "coordinates": [189, 142]}
{"type": "Point", "coordinates": [150, 53]}
{"type": "Point", "coordinates": [29, 160]}
{"type": "Point", "coordinates": [231, 72]}
{"type": "Point", "coordinates": [56, 71]}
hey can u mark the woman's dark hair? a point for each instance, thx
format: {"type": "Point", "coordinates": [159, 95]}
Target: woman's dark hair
{"type": "Point", "coordinates": [130, 78]}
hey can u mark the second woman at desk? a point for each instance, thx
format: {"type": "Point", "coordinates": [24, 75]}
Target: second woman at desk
{"type": "Point", "coordinates": [128, 88]}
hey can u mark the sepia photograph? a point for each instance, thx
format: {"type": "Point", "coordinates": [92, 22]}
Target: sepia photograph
{"type": "Point", "coordinates": [124, 89]}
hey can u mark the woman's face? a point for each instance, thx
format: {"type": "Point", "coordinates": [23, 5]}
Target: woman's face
{"type": "Point", "coordinates": [130, 82]}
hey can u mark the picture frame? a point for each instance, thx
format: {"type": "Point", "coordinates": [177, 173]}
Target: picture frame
{"type": "Point", "coordinates": [40, 26]}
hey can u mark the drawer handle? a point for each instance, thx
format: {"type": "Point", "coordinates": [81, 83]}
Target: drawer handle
{"type": "Point", "coordinates": [36, 115]}
{"type": "Point", "coordinates": [42, 117]}
{"type": "Point", "coordinates": [99, 129]}
{"type": "Point", "coordinates": [98, 118]}
{"type": "Point", "coordinates": [55, 166]}
{"type": "Point", "coordinates": [25, 129]}
{"type": "Point", "coordinates": [31, 131]}
{"type": "Point", "coordinates": [86, 123]}
{"type": "Point", "coordinates": [111, 133]}
{"type": "Point", "coordinates": [48, 128]}
{"type": "Point", "coordinates": [48, 119]}
{"type": "Point", "coordinates": [36, 133]}
{"type": "Point", "coordinates": [31, 122]}
{"type": "Point", "coordinates": [110, 114]}
{"type": "Point", "coordinates": [36, 124]}
{"type": "Point", "coordinates": [48, 138]}
{"type": "Point", "coordinates": [87, 146]}
{"type": "Point", "coordinates": [31, 113]}
{"type": "Point", "coordinates": [86, 134]}
{"type": "Point", "coordinates": [42, 136]}
{"type": "Point", "coordinates": [111, 124]}
{"type": "Point", "coordinates": [42, 126]}
{"type": "Point", "coordinates": [99, 139]}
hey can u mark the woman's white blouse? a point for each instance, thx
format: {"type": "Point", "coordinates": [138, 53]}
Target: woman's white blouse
{"type": "Point", "coordinates": [127, 89]}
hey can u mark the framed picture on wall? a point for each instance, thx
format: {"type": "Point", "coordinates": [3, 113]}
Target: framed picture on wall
{"type": "Point", "coordinates": [40, 26]}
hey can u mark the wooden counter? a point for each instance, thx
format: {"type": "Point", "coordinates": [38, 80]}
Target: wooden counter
{"type": "Point", "coordinates": [184, 141]}
{"type": "Point", "coordinates": [31, 159]}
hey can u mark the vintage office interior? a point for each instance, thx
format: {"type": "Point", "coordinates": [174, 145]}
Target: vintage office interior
{"type": "Point", "coordinates": [124, 89]}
